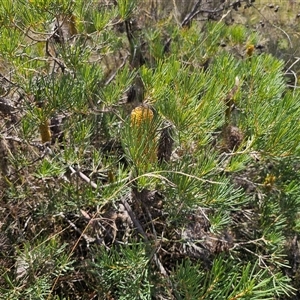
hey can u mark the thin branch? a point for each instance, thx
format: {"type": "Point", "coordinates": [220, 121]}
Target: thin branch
{"type": "Point", "coordinates": [111, 78]}
{"type": "Point", "coordinates": [61, 64]}
{"type": "Point", "coordinates": [134, 219]}
{"type": "Point", "coordinates": [27, 34]}
{"type": "Point", "coordinates": [87, 238]}
{"type": "Point", "coordinates": [40, 146]}
{"type": "Point", "coordinates": [295, 62]}
{"type": "Point", "coordinates": [154, 174]}
{"type": "Point", "coordinates": [280, 29]}
{"type": "Point", "coordinates": [188, 18]}
{"type": "Point", "coordinates": [142, 232]}
{"type": "Point", "coordinates": [84, 177]}
{"type": "Point", "coordinates": [7, 80]}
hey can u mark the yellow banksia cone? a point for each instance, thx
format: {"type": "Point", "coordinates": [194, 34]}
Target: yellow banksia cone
{"type": "Point", "coordinates": [250, 49]}
{"type": "Point", "coordinates": [145, 135]}
{"type": "Point", "coordinates": [269, 181]}
{"type": "Point", "coordinates": [45, 131]}
{"type": "Point", "coordinates": [141, 114]}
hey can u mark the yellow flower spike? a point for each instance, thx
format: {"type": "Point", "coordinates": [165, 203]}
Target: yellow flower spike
{"type": "Point", "coordinates": [250, 49]}
{"type": "Point", "coordinates": [269, 180]}
{"type": "Point", "coordinates": [45, 131]}
{"type": "Point", "coordinates": [141, 114]}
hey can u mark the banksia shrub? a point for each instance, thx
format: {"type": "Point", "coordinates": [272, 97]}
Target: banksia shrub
{"type": "Point", "coordinates": [109, 212]}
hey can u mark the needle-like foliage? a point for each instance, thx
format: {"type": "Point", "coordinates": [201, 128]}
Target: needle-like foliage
{"type": "Point", "coordinates": [144, 155]}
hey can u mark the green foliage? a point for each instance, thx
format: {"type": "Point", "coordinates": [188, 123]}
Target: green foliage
{"type": "Point", "coordinates": [126, 8]}
{"type": "Point", "coordinates": [226, 280]}
{"type": "Point", "coordinates": [94, 212]}
{"type": "Point", "coordinates": [125, 271]}
{"type": "Point", "coordinates": [35, 268]}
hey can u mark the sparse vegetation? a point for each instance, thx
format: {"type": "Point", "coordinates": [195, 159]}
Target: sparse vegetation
{"type": "Point", "coordinates": [148, 150]}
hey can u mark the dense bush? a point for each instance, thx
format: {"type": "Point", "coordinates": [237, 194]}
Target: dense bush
{"type": "Point", "coordinates": [144, 155]}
